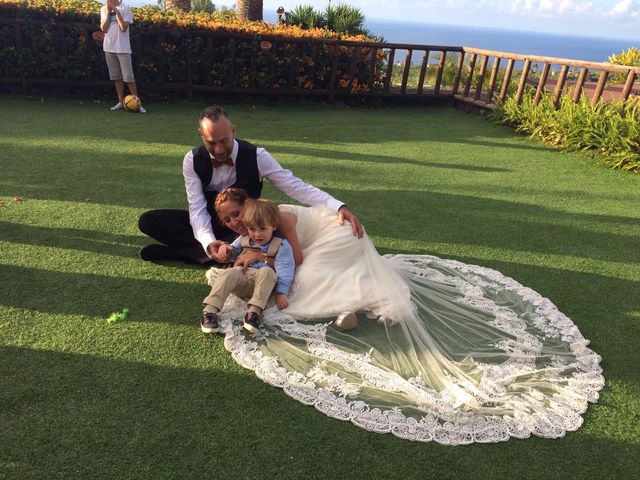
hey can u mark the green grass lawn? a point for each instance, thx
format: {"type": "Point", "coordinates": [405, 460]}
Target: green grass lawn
{"type": "Point", "coordinates": [153, 397]}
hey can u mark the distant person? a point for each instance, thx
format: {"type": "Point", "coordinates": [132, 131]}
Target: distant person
{"type": "Point", "coordinates": [223, 161]}
{"type": "Point", "coordinates": [261, 219]}
{"type": "Point", "coordinates": [115, 18]}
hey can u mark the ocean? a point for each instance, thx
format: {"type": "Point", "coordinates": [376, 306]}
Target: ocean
{"type": "Point", "coordinates": [562, 46]}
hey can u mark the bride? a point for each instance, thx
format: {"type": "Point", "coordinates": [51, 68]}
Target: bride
{"type": "Point", "coordinates": [441, 350]}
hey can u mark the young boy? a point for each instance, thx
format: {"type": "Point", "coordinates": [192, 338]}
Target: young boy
{"type": "Point", "coordinates": [261, 217]}
{"type": "Point", "coordinates": [115, 18]}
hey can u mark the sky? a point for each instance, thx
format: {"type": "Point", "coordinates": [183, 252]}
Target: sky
{"type": "Point", "coordinates": [604, 18]}
{"type": "Point", "coordinates": [595, 18]}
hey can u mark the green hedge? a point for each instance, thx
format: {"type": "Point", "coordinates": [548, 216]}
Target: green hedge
{"type": "Point", "coordinates": [51, 50]}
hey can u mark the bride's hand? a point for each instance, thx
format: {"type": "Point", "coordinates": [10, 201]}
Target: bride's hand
{"type": "Point", "coordinates": [345, 214]}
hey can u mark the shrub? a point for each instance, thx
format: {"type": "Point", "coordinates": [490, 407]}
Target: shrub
{"type": "Point", "coordinates": [608, 131]}
{"type": "Point", "coordinates": [206, 6]}
{"type": "Point", "coordinates": [342, 18]}
{"type": "Point", "coordinates": [305, 16]}
{"type": "Point", "coordinates": [629, 57]}
{"type": "Point", "coordinates": [168, 49]}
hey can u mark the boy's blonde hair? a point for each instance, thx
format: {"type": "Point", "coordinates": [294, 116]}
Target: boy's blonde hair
{"type": "Point", "coordinates": [259, 213]}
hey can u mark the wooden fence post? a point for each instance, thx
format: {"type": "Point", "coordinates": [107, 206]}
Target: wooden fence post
{"type": "Point", "coordinates": [423, 71]}
{"type": "Point", "coordinates": [472, 67]}
{"type": "Point", "coordinates": [405, 74]}
{"type": "Point", "coordinates": [628, 85]}
{"type": "Point", "coordinates": [355, 55]}
{"type": "Point", "coordinates": [523, 81]}
{"type": "Point", "coordinates": [334, 72]}
{"type": "Point", "coordinates": [602, 81]}
{"type": "Point", "coordinates": [493, 79]}
{"type": "Point", "coordinates": [372, 67]}
{"type": "Point", "coordinates": [557, 93]}
{"type": "Point", "coordinates": [459, 66]}
{"type": "Point", "coordinates": [506, 80]}
{"type": "Point", "coordinates": [541, 83]}
{"type": "Point", "coordinates": [387, 78]}
{"type": "Point", "coordinates": [577, 92]}
{"type": "Point", "coordinates": [441, 64]}
{"type": "Point", "coordinates": [481, 74]}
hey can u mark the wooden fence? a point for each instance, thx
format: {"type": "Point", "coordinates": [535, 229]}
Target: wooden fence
{"type": "Point", "coordinates": [486, 95]}
{"type": "Point", "coordinates": [362, 69]}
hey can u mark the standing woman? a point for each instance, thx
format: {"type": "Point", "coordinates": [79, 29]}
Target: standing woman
{"type": "Point", "coordinates": [115, 18]}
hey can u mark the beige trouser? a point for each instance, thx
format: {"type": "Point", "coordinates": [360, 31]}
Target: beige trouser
{"type": "Point", "coordinates": [256, 284]}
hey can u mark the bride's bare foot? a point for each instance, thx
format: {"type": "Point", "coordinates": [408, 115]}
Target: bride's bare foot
{"type": "Point", "coordinates": [346, 321]}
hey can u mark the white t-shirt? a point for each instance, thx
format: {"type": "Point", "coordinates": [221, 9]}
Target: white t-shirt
{"type": "Point", "coordinates": [115, 40]}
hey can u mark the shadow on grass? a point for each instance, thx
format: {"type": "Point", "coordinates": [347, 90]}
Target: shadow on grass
{"type": "Point", "coordinates": [88, 417]}
{"type": "Point", "coordinates": [315, 153]}
{"type": "Point", "coordinates": [71, 238]}
{"type": "Point", "coordinates": [516, 226]}
{"type": "Point", "coordinates": [99, 295]}
{"type": "Point", "coordinates": [129, 181]}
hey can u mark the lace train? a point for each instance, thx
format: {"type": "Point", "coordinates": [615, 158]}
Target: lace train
{"type": "Point", "coordinates": [487, 358]}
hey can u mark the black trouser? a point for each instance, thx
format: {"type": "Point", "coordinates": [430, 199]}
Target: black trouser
{"type": "Point", "coordinates": [173, 229]}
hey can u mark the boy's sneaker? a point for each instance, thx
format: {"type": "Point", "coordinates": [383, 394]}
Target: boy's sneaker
{"type": "Point", "coordinates": [117, 106]}
{"type": "Point", "coordinates": [252, 321]}
{"type": "Point", "coordinates": [209, 322]}
{"type": "Point", "coordinates": [142, 109]}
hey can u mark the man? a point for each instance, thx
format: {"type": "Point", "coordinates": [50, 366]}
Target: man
{"type": "Point", "coordinates": [221, 162]}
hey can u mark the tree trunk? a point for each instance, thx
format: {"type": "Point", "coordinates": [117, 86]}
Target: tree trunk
{"type": "Point", "coordinates": [249, 9]}
{"type": "Point", "coordinates": [180, 5]}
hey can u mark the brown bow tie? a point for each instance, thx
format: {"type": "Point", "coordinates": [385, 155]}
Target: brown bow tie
{"type": "Point", "coordinates": [218, 163]}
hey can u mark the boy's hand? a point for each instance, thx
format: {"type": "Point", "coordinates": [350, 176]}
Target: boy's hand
{"type": "Point", "coordinates": [247, 258]}
{"type": "Point", "coordinates": [219, 251]}
{"type": "Point", "coordinates": [281, 301]}
{"type": "Point", "coordinates": [225, 251]}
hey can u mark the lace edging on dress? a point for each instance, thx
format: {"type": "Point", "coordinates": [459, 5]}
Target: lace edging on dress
{"type": "Point", "coordinates": [577, 382]}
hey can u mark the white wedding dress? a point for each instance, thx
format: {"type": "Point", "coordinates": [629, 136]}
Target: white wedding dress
{"type": "Point", "coordinates": [443, 351]}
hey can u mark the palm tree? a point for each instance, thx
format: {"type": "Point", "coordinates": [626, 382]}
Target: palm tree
{"type": "Point", "coordinates": [206, 6]}
{"type": "Point", "coordinates": [182, 5]}
{"type": "Point", "coordinates": [249, 9]}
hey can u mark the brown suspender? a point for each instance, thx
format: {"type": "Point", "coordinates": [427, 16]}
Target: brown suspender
{"type": "Point", "coordinates": [273, 248]}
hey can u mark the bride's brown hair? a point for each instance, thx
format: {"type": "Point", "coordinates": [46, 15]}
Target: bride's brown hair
{"type": "Point", "coordinates": [231, 194]}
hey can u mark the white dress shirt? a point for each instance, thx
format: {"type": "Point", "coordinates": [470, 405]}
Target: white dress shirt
{"type": "Point", "coordinates": [225, 176]}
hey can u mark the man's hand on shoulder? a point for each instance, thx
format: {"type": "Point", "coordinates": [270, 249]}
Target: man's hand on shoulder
{"type": "Point", "coordinates": [345, 214]}
{"type": "Point", "coordinates": [220, 251]}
